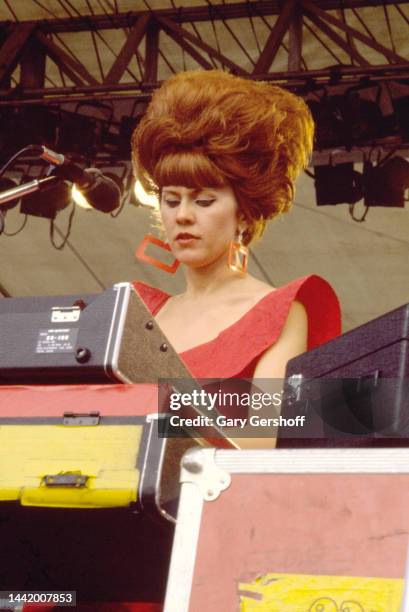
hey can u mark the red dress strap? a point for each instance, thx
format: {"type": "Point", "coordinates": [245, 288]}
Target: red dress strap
{"type": "Point", "coordinates": [236, 350]}
{"type": "Point", "coordinates": [154, 298]}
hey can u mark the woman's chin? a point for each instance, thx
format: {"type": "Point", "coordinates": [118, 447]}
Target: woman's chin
{"type": "Point", "coordinates": [195, 261]}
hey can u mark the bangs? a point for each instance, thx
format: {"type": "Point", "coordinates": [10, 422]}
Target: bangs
{"type": "Point", "coordinates": [192, 169]}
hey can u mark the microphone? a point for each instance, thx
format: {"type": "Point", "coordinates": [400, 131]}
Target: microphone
{"type": "Point", "coordinates": [99, 190]}
{"type": "Point", "coordinates": [19, 191]}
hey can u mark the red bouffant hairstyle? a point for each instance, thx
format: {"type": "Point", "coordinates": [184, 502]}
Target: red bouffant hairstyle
{"type": "Point", "coordinates": [211, 129]}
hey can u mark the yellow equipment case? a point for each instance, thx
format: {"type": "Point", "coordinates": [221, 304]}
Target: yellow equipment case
{"type": "Point", "coordinates": [88, 491]}
{"type": "Point", "coordinates": [88, 488]}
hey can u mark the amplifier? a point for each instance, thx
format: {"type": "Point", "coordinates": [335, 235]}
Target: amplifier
{"type": "Point", "coordinates": [97, 338]}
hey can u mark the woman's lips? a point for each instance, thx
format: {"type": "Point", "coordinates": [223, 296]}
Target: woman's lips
{"type": "Point", "coordinates": [186, 239]}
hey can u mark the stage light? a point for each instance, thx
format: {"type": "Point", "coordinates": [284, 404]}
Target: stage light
{"type": "Point", "coordinates": [329, 121]}
{"type": "Point", "coordinates": [401, 108]}
{"type": "Point", "coordinates": [78, 134]}
{"type": "Point", "coordinates": [27, 125]}
{"type": "Point", "coordinates": [143, 198]}
{"type": "Point", "coordinates": [80, 199]}
{"type": "Point", "coordinates": [5, 184]}
{"type": "Point", "coordinates": [47, 202]}
{"type": "Point", "coordinates": [363, 114]}
{"type": "Point", "coordinates": [350, 118]}
{"type": "Point", "coordinates": [386, 183]}
{"type": "Point", "coordinates": [338, 184]}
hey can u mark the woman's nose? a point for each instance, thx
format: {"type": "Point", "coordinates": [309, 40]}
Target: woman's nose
{"type": "Point", "coordinates": [185, 212]}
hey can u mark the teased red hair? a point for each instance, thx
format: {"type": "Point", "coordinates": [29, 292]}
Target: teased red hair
{"type": "Point", "coordinates": [210, 128]}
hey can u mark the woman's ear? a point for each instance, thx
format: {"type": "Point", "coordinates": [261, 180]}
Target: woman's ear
{"type": "Point", "coordinates": [242, 227]}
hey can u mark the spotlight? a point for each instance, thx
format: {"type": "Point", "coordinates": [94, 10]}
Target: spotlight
{"type": "Point", "coordinates": [349, 118]}
{"type": "Point", "coordinates": [386, 183]}
{"type": "Point", "coordinates": [338, 184]}
{"type": "Point", "coordinates": [401, 108]}
{"type": "Point", "coordinates": [143, 198]}
{"type": "Point", "coordinates": [19, 126]}
{"type": "Point", "coordinates": [8, 183]}
{"type": "Point", "coordinates": [74, 124]}
{"type": "Point", "coordinates": [47, 202]}
{"type": "Point", "coordinates": [328, 116]}
{"type": "Point", "coordinates": [79, 198]}
{"type": "Point", "coordinates": [363, 113]}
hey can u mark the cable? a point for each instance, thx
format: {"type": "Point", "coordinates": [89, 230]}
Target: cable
{"type": "Point", "coordinates": [28, 149]}
{"type": "Point", "coordinates": [351, 210]}
{"type": "Point", "coordinates": [60, 246]}
{"type": "Point", "coordinates": [20, 229]}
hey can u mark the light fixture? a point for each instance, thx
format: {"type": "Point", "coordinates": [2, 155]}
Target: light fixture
{"type": "Point", "coordinates": [339, 184]}
{"type": "Point", "coordinates": [352, 118]}
{"type": "Point", "coordinates": [72, 124]}
{"type": "Point", "coordinates": [401, 109]}
{"type": "Point", "coordinates": [386, 183]}
{"type": "Point", "coordinates": [79, 198]}
{"type": "Point", "coordinates": [143, 198]}
{"type": "Point", "coordinates": [29, 124]}
{"type": "Point", "coordinates": [329, 121]}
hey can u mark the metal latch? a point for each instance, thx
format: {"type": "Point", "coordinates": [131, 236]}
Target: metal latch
{"type": "Point", "coordinates": [78, 418]}
{"type": "Point", "coordinates": [65, 479]}
{"type": "Point", "coordinates": [293, 388]}
{"type": "Point", "coordinates": [65, 314]}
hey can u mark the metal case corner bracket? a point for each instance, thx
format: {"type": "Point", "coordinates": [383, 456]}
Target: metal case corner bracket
{"type": "Point", "coordinates": [199, 467]}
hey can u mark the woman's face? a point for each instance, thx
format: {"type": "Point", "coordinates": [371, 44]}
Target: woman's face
{"type": "Point", "coordinates": [199, 223]}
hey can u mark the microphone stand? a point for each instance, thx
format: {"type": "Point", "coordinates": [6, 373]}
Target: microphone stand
{"type": "Point", "coordinates": [15, 193]}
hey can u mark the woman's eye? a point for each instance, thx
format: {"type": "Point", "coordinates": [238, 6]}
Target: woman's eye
{"type": "Point", "coordinates": [205, 202]}
{"type": "Point", "coordinates": [171, 203]}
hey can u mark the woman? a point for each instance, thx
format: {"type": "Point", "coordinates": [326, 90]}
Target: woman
{"type": "Point", "coordinates": [222, 154]}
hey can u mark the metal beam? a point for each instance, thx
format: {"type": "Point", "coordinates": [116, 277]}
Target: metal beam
{"type": "Point", "coordinates": [382, 72]}
{"type": "Point", "coordinates": [390, 55]}
{"type": "Point", "coordinates": [178, 39]}
{"type": "Point", "coordinates": [151, 52]}
{"type": "Point", "coordinates": [57, 96]}
{"type": "Point", "coordinates": [295, 40]}
{"type": "Point", "coordinates": [130, 46]}
{"type": "Point", "coordinates": [275, 37]}
{"type": "Point", "coordinates": [32, 65]}
{"type": "Point", "coordinates": [187, 14]}
{"type": "Point", "coordinates": [336, 38]}
{"type": "Point", "coordinates": [174, 27]}
{"type": "Point", "coordinates": [13, 47]}
{"type": "Point", "coordinates": [72, 68]}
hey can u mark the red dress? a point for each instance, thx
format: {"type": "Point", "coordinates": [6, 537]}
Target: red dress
{"type": "Point", "coordinates": [234, 353]}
